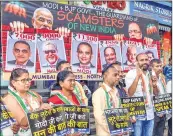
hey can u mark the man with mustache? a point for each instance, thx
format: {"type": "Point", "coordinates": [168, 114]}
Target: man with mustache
{"type": "Point", "coordinates": [51, 54]}
{"type": "Point", "coordinates": [159, 120]}
{"type": "Point", "coordinates": [139, 83]}
{"type": "Point", "coordinates": [42, 19]}
{"type": "Point", "coordinates": [110, 56]}
{"type": "Point", "coordinates": [22, 53]}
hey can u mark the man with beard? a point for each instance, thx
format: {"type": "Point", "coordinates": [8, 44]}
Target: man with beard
{"type": "Point", "coordinates": [51, 54]}
{"type": "Point", "coordinates": [42, 19]}
{"type": "Point", "coordinates": [138, 83]}
{"type": "Point", "coordinates": [110, 56]}
{"type": "Point", "coordinates": [159, 120]}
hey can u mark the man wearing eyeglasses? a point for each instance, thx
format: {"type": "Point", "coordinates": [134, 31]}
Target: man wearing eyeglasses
{"type": "Point", "coordinates": [22, 53]}
{"type": "Point", "coordinates": [51, 54]}
{"type": "Point", "coordinates": [135, 32]}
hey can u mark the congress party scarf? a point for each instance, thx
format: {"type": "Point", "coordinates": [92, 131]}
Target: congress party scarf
{"type": "Point", "coordinates": [66, 100]}
{"type": "Point", "coordinates": [78, 92]}
{"type": "Point", "coordinates": [144, 89]}
{"type": "Point", "coordinates": [21, 102]}
{"type": "Point", "coordinates": [111, 101]}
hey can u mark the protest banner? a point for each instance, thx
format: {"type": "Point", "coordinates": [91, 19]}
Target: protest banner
{"type": "Point", "coordinates": [77, 19]}
{"type": "Point", "coordinates": [110, 52]}
{"type": "Point", "coordinates": [84, 53]}
{"type": "Point", "coordinates": [52, 76]}
{"type": "Point", "coordinates": [6, 119]}
{"type": "Point", "coordinates": [135, 106]}
{"type": "Point", "coordinates": [78, 119]}
{"type": "Point", "coordinates": [21, 51]}
{"type": "Point", "coordinates": [118, 120]}
{"type": "Point", "coordinates": [163, 103]}
{"type": "Point", "coordinates": [48, 122]}
{"type": "Point", "coordinates": [50, 50]}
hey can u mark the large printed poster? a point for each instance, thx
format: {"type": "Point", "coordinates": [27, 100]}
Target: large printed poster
{"type": "Point", "coordinates": [51, 16]}
{"type": "Point", "coordinates": [51, 51]}
{"type": "Point", "coordinates": [84, 53]}
{"type": "Point", "coordinates": [110, 52]}
{"type": "Point", "coordinates": [21, 51]}
{"type": "Point", "coordinates": [77, 19]}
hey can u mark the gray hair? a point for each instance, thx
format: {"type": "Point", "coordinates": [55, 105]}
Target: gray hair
{"type": "Point", "coordinates": [41, 9]}
{"type": "Point", "coordinates": [48, 43]}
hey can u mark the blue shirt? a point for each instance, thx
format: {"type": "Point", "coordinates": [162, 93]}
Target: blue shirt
{"type": "Point", "coordinates": [167, 71]}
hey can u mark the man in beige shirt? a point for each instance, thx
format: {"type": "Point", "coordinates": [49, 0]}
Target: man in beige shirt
{"type": "Point", "coordinates": [105, 97]}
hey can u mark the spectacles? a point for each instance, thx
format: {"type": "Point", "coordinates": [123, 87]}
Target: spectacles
{"type": "Point", "coordinates": [134, 31]}
{"type": "Point", "coordinates": [25, 80]}
{"type": "Point", "coordinates": [51, 51]}
{"type": "Point", "coordinates": [23, 51]}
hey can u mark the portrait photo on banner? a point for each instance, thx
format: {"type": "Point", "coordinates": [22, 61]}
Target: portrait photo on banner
{"type": "Point", "coordinates": [50, 51]}
{"type": "Point", "coordinates": [151, 51]}
{"type": "Point", "coordinates": [21, 52]}
{"type": "Point", "coordinates": [84, 53]}
{"type": "Point", "coordinates": [110, 52]}
{"type": "Point", "coordinates": [130, 50]}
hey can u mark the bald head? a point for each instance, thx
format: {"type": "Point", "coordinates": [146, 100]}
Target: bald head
{"type": "Point", "coordinates": [131, 54]}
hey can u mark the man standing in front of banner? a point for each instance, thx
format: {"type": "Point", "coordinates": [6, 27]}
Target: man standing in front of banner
{"type": "Point", "coordinates": [105, 97]}
{"type": "Point", "coordinates": [159, 120]}
{"type": "Point", "coordinates": [139, 83]}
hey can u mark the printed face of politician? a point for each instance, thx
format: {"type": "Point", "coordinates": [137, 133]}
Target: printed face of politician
{"type": "Point", "coordinates": [150, 56]}
{"type": "Point", "coordinates": [134, 31]}
{"type": "Point", "coordinates": [22, 53]}
{"type": "Point", "coordinates": [43, 19]}
{"type": "Point", "coordinates": [50, 54]}
{"type": "Point", "coordinates": [110, 56]}
{"type": "Point", "coordinates": [131, 55]}
{"type": "Point", "coordinates": [84, 54]}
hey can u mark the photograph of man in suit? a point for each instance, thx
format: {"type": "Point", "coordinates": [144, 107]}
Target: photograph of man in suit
{"type": "Point", "coordinates": [131, 56]}
{"type": "Point", "coordinates": [110, 56]}
{"type": "Point", "coordinates": [134, 31]}
{"type": "Point", "coordinates": [22, 53]}
{"type": "Point", "coordinates": [51, 54]}
{"type": "Point", "coordinates": [150, 55]}
{"type": "Point", "coordinates": [84, 54]}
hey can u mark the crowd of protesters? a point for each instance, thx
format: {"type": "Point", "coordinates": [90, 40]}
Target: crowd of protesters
{"type": "Point", "coordinates": [149, 78]}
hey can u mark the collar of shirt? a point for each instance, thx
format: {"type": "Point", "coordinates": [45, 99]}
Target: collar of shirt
{"type": "Point", "coordinates": [108, 89]}
{"type": "Point", "coordinates": [89, 65]}
{"type": "Point", "coordinates": [23, 64]}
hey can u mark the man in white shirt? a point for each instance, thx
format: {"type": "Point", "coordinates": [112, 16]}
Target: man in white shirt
{"type": "Point", "coordinates": [138, 83]}
{"type": "Point", "coordinates": [159, 121]}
